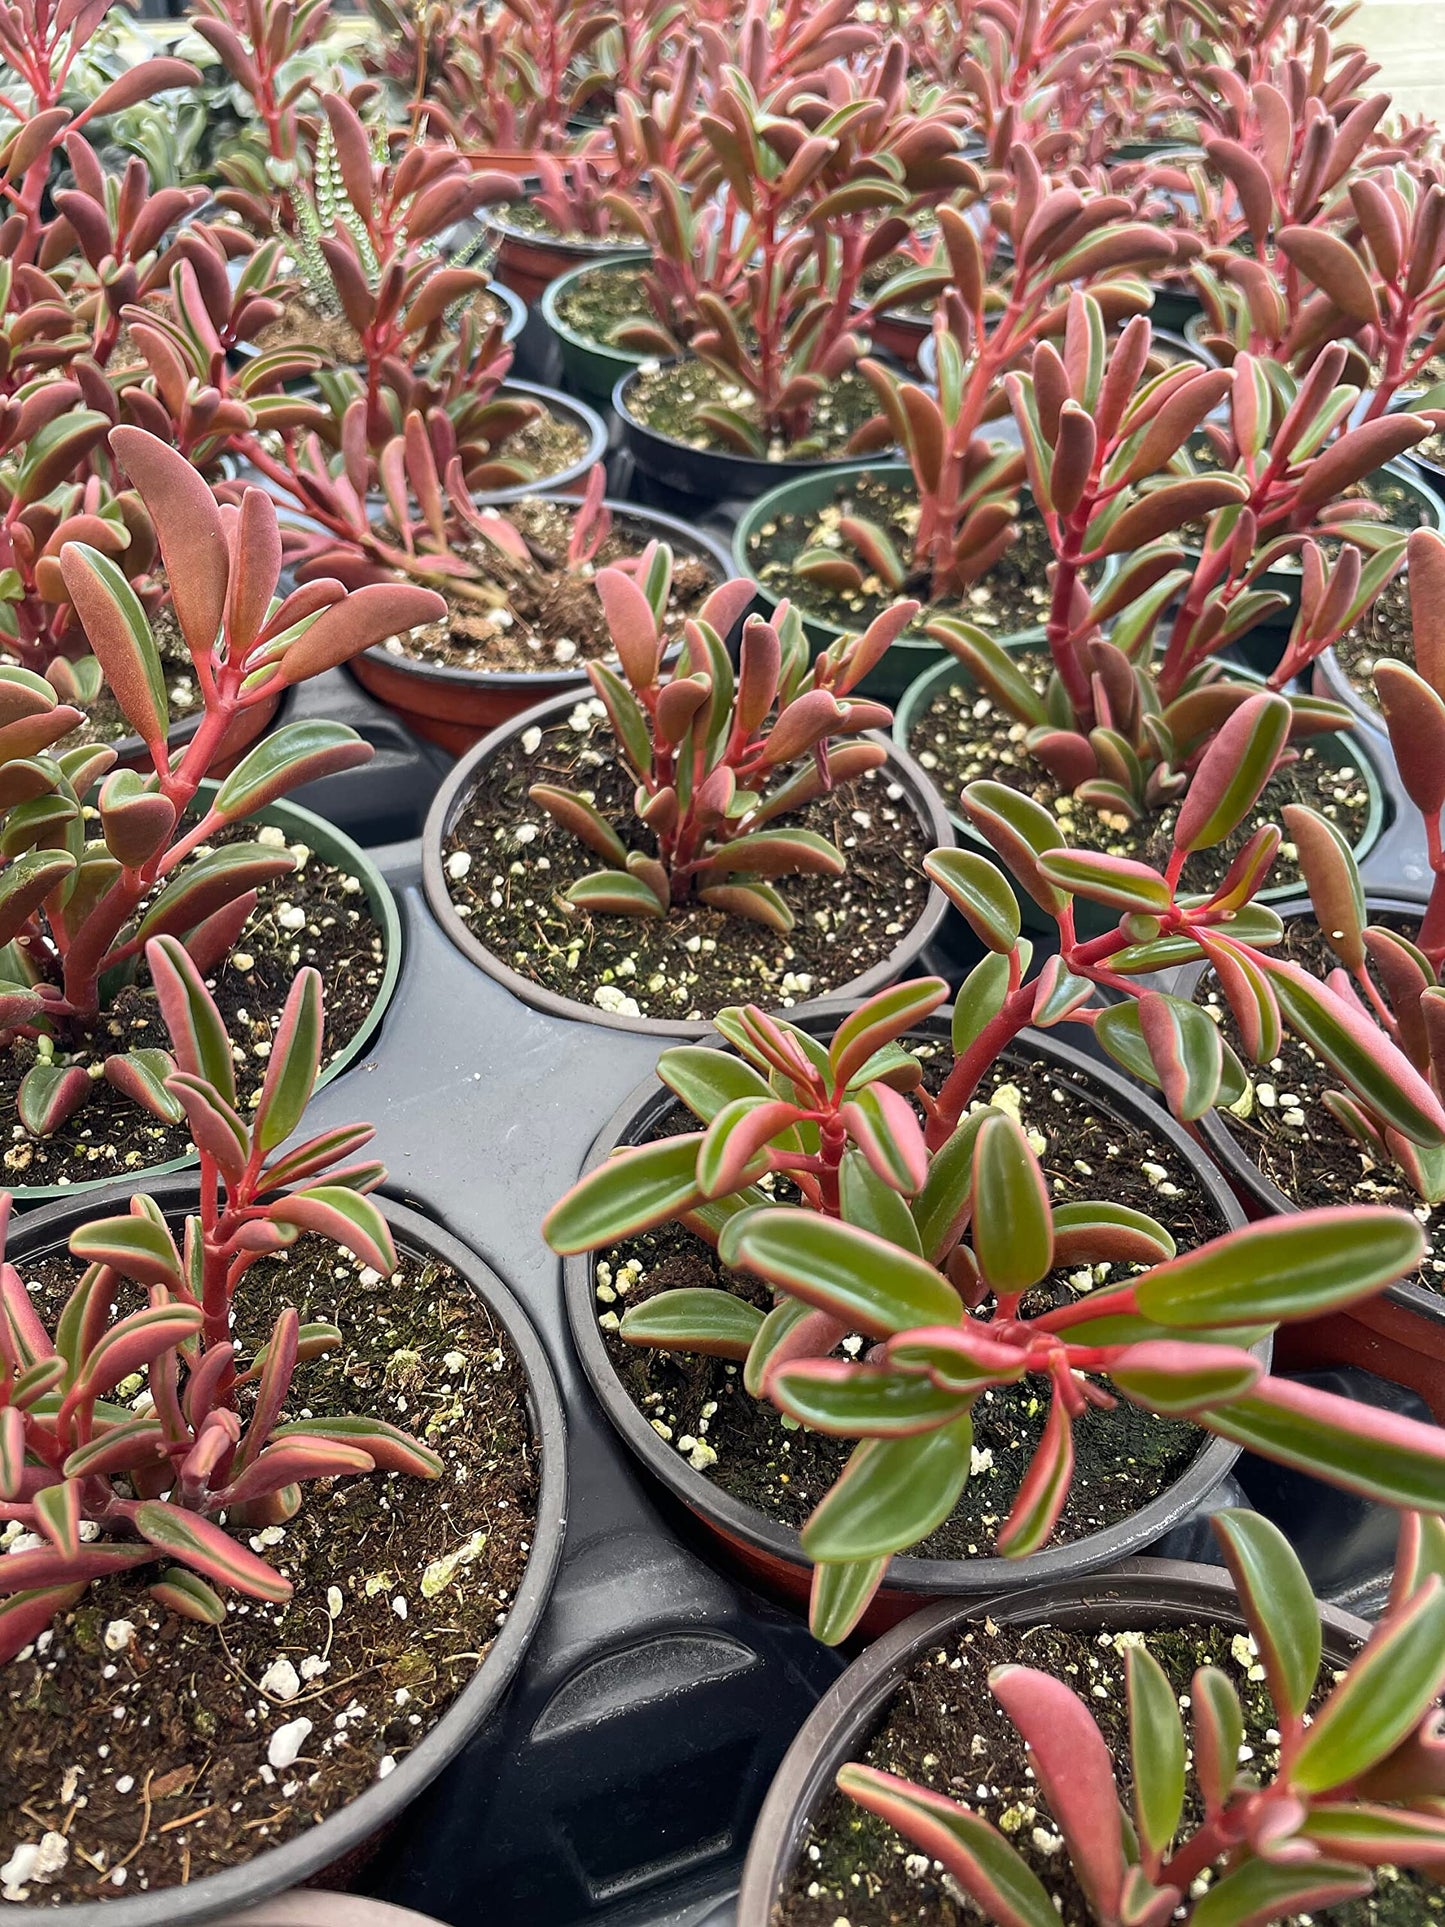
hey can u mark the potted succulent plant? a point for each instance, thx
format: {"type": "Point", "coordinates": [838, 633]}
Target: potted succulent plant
{"type": "Point", "coordinates": [643, 827]}
{"type": "Point", "coordinates": [887, 1194]}
{"type": "Point", "coordinates": [164, 1402]}
{"type": "Point", "coordinates": [87, 883]}
{"type": "Point", "coordinates": [523, 618]}
{"type": "Point", "coordinates": [1241, 1713]}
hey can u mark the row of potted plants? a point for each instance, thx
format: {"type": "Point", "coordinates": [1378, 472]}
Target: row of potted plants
{"type": "Point", "coordinates": [903, 1302]}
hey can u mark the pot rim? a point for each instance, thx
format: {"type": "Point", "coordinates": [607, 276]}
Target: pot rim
{"type": "Point", "coordinates": [1169, 1591]}
{"type": "Point", "coordinates": [1355, 747]}
{"type": "Point", "coordinates": [698, 541]}
{"type": "Point", "coordinates": [952, 1578]}
{"type": "Point", "coordinates": [751, 467]}
{"type": "Point", "coordinates": [452, 797]}
{"type": "Point", "coordinates": [554, 289]}
{"type": "Point", "coordinates": [513, 307]}
{"type": "Point", "coordinates": [1234, 1160]}
{"type": "Point", "coordinates": [296, 1860]}
{"type": "Point", "coordinates": [586, 248]}
{"type": "Point", "coordinates": [555, 403]}
{"type": "Point", "coordinates": [335, 847]}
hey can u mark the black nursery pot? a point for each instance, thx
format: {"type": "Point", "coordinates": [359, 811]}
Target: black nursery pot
{"type": "Point", "coordinates": [1142, 1595]}
{"type": "Point", "coordinates": [767, 1550]}
{"type": "Point", "coordinates": [697, 477]}
{"type": "Point", "coordinates": [331, 1854]}
{"type": "Point", "coordinates": [452, 799]}
{"type": "Point", "coordinates": [1398, 1335]}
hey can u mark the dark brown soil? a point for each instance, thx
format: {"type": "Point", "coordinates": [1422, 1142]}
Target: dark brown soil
{"type": "Point", "coordinates": [1384, 633]}
{"type": "Point", "coordinates": [510, 864]}
{"type": "Point", "coordinates": [303, 326]}
{"type": "Point", "coordinates": [109, 1135]}
{"type": "Point", "coordinates": [1284, 1128]}
{"type": "Point", "coordinates": [945, 1730]}
{"type": "Point", "coordinates": [545, 617]}
{"type": "Point", "coordinates": [1125, 1457]}
{"type": "Point", "coordinates": [1011, 598]}
{"type": "Point", "coordinates": [963, 738]}
{"type": "Point", "coordinates": [666, 399]}
{"type": "Point", "coordinates": [149, 1752]}
{"type": "Point", "coordinates": [605, 298]}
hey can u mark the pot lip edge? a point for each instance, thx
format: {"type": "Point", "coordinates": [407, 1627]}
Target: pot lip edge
{"type": "Point", "coordinates": [450, 799]}
{"type": "Point", "coordinates": [860, 1694]}
{"type": "Point", "coordinates": [237, 1887]}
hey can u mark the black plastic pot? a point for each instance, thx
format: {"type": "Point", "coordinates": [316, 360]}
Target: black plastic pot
{"type": "Point", "coordinates": [1139, 1596]}
{"type": "Point", "coordinates": [767, 1550]}
{"type": "Point", "coordinates": [452, 800]}
{"type": "Point", "coordinates": [1399, 1335]}
{"type": "Point", "coordinates": [675, 476]}
{"type": "Point", "coordinates": [349, 1833]}
{"type": "Point", "coordinates": [456, 707]}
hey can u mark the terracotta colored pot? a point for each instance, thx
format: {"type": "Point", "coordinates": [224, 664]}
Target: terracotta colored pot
{"type": "Point", "coordinates": [457, 707]}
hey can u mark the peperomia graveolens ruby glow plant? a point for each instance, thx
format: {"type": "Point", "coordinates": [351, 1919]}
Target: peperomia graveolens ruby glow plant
{"type": "Point", "coordinates": [1355, 1783]}
{"type": "Point", "coordinates": [206, 1450]}
{"type": "Point", "coordinates": [717, 756]}
{"type": "Point", "coordinates": [80, 895]}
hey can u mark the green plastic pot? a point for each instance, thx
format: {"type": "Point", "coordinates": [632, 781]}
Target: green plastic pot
{"type": "Point", "coordinates": [299, 826]}
{"type": "Point", "coordinates": [1092, 919]}
{"type": "Point", "coordinates": [590, 369]}
{"type": "Point", "coordinates": [913, 654]}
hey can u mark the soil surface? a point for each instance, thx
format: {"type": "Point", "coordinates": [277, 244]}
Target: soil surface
{"type": "Point", "coordinates": [1011, 597]}
{"type": "Point", "coordinates": [1126, 1457]}
{"type": "Point", "coordinates": [1384, 633]}
{"type": "Point", "coordinates": [666, 400]}
{"type": "Point", "coordinates": [544, 447]}
{"type": "Point", "coordinates": [603, 299]}
{"type": "Point", "coordinates": [545, 617]}
{"type": "Point", "coordinates": [319, 915]}
{"type": "Point", "coordinates": [945, 1730]}
{"type": "Point", "coordinates": [526, 218]}
{"type": "Point", "coordinates": [1282, 1126]}
{"type": "Point", "coordinates": [964, 737]}
{"type": "Point", "coordinates": [305, 326]}
{"type": "Point", "coordinates": [157, 1748]}
{"type": "Point", "coordinates": [509, 865]}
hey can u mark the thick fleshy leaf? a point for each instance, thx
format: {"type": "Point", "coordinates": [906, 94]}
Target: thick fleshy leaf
{"type": "Point", "coordinates": [364, 618]}
{"type": "Point", "coordinates": [1414, 714]}
{"type": "Point", "coordinates": [882, 1020]}
{"type": "Point", "coordinates": [1358, 1052]}
{"type": "Point", "coordinates": [217, 1131]}
{"type": "Point", "coordinates": [1399, 1461]}
{"type": "Point", "coordinates": [614, 893]}
{"type": "Point", "coordinates": [1098, 1231]}
{"type": "Point", "coordinates": [119, 1448]}
{"type": "Point", "coordinates": [1279, 1603]}
{"type": "Point", "coordinates": [891, 1494]}
{"type": "Point", "coordinates": [694, 1318]}
{"type": "Point", "coordinates": [1117, 881]}
{"type": "Point", "coordinates": [1021, 831]}
{"type": "Point", "coordinates": [860, 1401]}
{"type": "Point", "coordinates": [293, 754]}
{"type": "Point", "coordinates": [1186, 1050]}
{"type": "Point", "coordinates": [1075, 1772]}
{"type": "Point", "coordinates": [870, 1202]}
{"type": "Point", "coordinates": [1044, 1488]}
{"type": "Point", "coordinates": [870, 1285]}
{"type": "Point", "coordinates": [981, 894]}
{"type": "Point", "coordinates": [345, 1217]}
{"type": "Point", "coordinates": [1234, 770]}
{"type": "Point", "coordinates": [735, 1140]}
{"type": "Point", "coordinates": [188, 529]}
{"type": "Point", "coordinates": [1282, 1268]}
{"type": "Point", "coordinates": [1004, 1887]}
{"type": "Point", "coordinates": [886, 1129]}
{"type": "Point", "coordinates": [25, 885]}
{"type": "Point", "coordinates": [50, 1093]}
{"type": "Point", "coordinates": [840, 1595]}
{"type": "Point", "coordinates": [388, 1446]}
{"type": "Point", "coordinates": [137, 1247]}
{"type": "Point", "coordinates": [120, 636]}
{"type": "Point", "coordinates": [135, 1342]}
{"type": "Point", "coordinates": [57, 1508]}
{"type": "Point", "coordinates": [1332, 878]}
{"type": "Point", "coordinates": [582, 819]}
{"type": "Point", "coordinates": [632, 1191]}
{"type": "Point", "coordinates": [1265, 1890]}
{"type": "Point", "coordinates": [293, 1064]}
{"type": "Point", "coordinates": [1013, 1231]}
{"type": "Point", "coordinates": [25, 1616]}
{"type": "Point", "coordinates": [300, 1457]}
{"type": "Point", "coordinates": [1156, 1742]}
{"type": "Point", "coordinates": [209, 884]}
{"type": "Point", "coordinates": [1218, 1734]}
{"type": "Point", "coordinates": [1388, 1689]}
{"type": "Point", "coordinates": [1180, 1378]}
{"type": "Point", "coordinates": [706, 1079]}
{"type": "Point", "coordinates": [197, 1033]}
{"type": "Point", "coordinates": [210, 1551]}
{"type": "Point", "coordinates": [188, 1596]}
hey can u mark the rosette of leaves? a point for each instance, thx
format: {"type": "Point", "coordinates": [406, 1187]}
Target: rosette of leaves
{"type": "Point", "coordinates": [1136, 693]}
{"type": "Point", "coordinates": [1355, 1785]}
{"type": "Point", "coordinates": [717, 757]}
{"type": "Point", "coordinates": [83, 887]}
{"type": "Point", "coordinates": [208, 1439]}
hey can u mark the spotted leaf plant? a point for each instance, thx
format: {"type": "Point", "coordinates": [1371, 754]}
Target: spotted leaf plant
{"type": "Point", "coordinates": [716, 756]}
{"type": "Point", "coordinates": [1351, 1784]}
{"type": "Point", "coordinates": [85, 884]}
{"type": "Point", "coordinates": [1123, 466]}
{"type": "Point", "coordinates": [106, 1481]}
